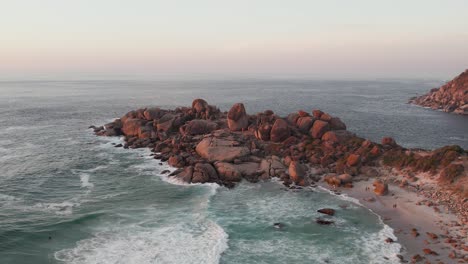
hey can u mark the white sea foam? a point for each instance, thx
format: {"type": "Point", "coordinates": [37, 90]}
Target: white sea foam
{"type": "Point", "coordinates": [63, 208]}
{"type": "Point", "coordinates": [458, 138]}
{"type": "Point", "coordinates": [170, 244]}
{"type": "Point", "coordinates": [84, 178]}
{"type": "Point", "coordinates": [342, 196]}
{"type": "Point", "coordinates": [8, 199]}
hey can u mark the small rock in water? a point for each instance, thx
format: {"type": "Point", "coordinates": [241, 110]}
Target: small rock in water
{"type": "Point", "coordinates": [327, 211]}
{"type": "Point", "coordinates": [165, 171]}
{"type": "Point", "coordinates": [278, 225]}
{"type": "Point", "coordinates": [118, 146]}
{"type": "Point", "coordinates": [323, 222]}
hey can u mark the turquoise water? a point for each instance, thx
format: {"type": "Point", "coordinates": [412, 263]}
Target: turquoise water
{"type": "Point", "coordinates": [67, 196]}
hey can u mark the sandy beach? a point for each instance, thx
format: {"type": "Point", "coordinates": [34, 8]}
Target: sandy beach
{"type": "Point", "coordinates": [412, 221]}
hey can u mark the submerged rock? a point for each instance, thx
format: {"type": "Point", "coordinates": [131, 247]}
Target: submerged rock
{"type": "Point", "coordinates": [327, 211]}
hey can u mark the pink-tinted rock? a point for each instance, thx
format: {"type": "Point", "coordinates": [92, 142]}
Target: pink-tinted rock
{"type": "Point", "coordinates": [327, 211]}
{"type": "Point", "coordinates": [305, 123]}
{"type": "Point", "coordinates": [345, 178]}
{"type": "Point", "coordinates": [204, 172]}
{"type": "Point", "coordinates": [131, 127]}
{"type": "Point", "coordinates": [380, 188]}
{"type": "Point", "coordinates": [353, 160]}
{"type": "Point", "coordinates": [198, 127]}
{"type": "Point", "coordinates": [263, 132]}
{"type": "Point", "coordinates": [337, 124]}
{"type": "Point", "coordinates": [337, 136]}
{"type": "Point", "coordinates": [279, 131]}
{"type": "Point", "coordinates": [319, 128]}
{"type": "Point", "coordinates": [153, 113]}
{"type": "Point", "coordinates": [297, 172]}
{"type": "Point", "coordinates": [317, 113]}
{"type": "Point", "coordinates": [325, 117]}
{"type": "Point", "coordinates": [237, 118]}
{"type": "Point", "coordinates": [214, 149]}
{"type": "Point", "coordinates": [199, 105]}
{"type": "Point", "coordinates": [388, 141]}
{"type": "Point", "coordinates": [166, 123]}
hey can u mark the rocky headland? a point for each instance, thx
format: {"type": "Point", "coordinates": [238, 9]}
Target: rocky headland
{"type": "Point", "coordinates": [451, 97]}
{"type": "Point", "coordinates": [302, 149]}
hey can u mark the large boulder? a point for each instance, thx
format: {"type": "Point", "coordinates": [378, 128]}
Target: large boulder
{"type": "Point", "coordinates": [332, 180]}
{"type": "Point", "coordinates": [199, 105]}
{"type": "Point", "coordinates": [153, 113]}
{"type": "Point", "coordinates": [292, 118]}
{"type": "Point", "coordinates": [388, 141]}
{"type": "Point", "coordinates": [337, 124]}
{"type": "Point", "coordinates": [263, 132]}
{"type": "Point", "coordinates": [237, 118]}
{"type": "Point", "coordinates": [271, 167]}
{"type": "Point", "coordinates": [319, 128]}
{"type": "Point", "coordinates": [166, 122]}
{"type": "Point", "coordinates": [185, 175]}
{"type": "Point", "coordinates": [305, 123]}
{"type": "Point", "coordinates": [297, 172]}
{"type": "Point", "coordinates": [176, 161]}
{"type": "Point", "coordinates": [132, 126]}
{"type": "Point", "coordinates": [198, 127]}
{"type": "Point", "coordinates": [215, 149]}
{"type": "Point", "coordinates": [353, 160]}
{"type": "Point", "coordinates": [228, 172]}
{"type": "Point", "coordinates": [234, 172]}
{"type": "Point", "coordinates": [327, 211]}
{"type": "Point", "coordinates": [337, 136]}
{"type": "Point", "coordinates": [345, 178]}
{"type": "Point", "coordinates": [204, 172]}
{"type": "Point", "coordinates": [279, 131]}
{"type": "Point", "coordinates": [380, 188]}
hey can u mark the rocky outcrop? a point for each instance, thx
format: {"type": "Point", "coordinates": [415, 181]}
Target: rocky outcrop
{"type": "Point", "coordinates": [208, 145]}
{"type": "Point", "coordinates": [451, 97]}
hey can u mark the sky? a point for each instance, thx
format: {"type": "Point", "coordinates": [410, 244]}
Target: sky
{"type": "Point", "coordinates": [239, 38]}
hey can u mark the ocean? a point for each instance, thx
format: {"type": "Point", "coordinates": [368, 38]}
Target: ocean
{"type": "Point", "coordinates": [67, 196]}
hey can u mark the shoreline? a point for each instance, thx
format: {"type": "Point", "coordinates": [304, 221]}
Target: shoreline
{"type": "Point", "coordinates": [406, 216]}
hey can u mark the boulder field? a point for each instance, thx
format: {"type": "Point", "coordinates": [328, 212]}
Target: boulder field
{"type": "Point", "coordinates": [451, 97]}
{"type": "Point", "coordinates": [208, 145]}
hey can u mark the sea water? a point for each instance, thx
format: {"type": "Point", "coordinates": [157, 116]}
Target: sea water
{"type": "Point", "coordinates": [67, 196]}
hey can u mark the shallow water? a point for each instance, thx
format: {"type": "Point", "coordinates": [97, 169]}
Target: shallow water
{"type": "Point", "coordinates": [67, 196]}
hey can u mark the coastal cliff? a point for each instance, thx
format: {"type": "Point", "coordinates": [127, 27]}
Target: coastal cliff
{"type": "Point", "coordinates": [301, 149]}
{"type": "Point", "coordinates": [451, 97]}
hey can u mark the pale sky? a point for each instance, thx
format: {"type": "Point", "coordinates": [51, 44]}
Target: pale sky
{"type": "Point", "coordinates": [253, 38]}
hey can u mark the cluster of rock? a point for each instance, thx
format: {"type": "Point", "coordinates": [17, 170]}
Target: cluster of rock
{"type": "Point", "coordinates": [207, 145]}
{"type": "Point", "coordinates": [211, 146]}
{"type": "Point", "coordinates": [451, 97]}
